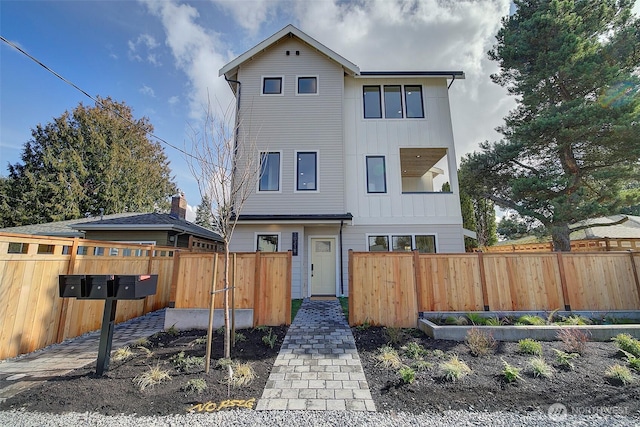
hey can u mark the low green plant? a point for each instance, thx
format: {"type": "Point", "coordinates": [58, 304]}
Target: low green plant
{"type": "Point", "coordinates": [142, 342]}
{"type": "Point", "coordinates": [574, 340]}
{"type": "Point", "coordinates": [529, 319]}
{"type": "Point", "coordinates": [540, 367]}
{"type": "Point", "coordinates": [480, 343]}
{"type": "Point", "coordinates": [619, 373]}
{"type": "Point", "coordinates": [261, 328]}
{"type": "Point", "coordinates": [565, 360]}
{"type": "Point", "coordinates": [388, 357]}
{"type": "Point", "coordinates": [575, 320]}
{"type": "Point", "coordinates": [149, 378]}
{"type": "Point", "coordinates": [199, 341]}
{"type": "Point", "coordinates": [454, 369]}
{"type": "Point", "coordinates": [407, 374]}
{"type": "Point", "coordinates": [627, 343]}
{"type": "Point", "coordinates": [224, 362]}
{"type": "Point", "coordinates": [185, 363]}
{"type": "Point", "coordinates": [456, 320]}
{"type": "Point", "coordinates": [270, 339]}
{"type": "Point", "coordinates": [633, 361]}
{"type": "Point", "coordinates": [240, 337]}
{"type": "Point", "coordinates": [421, 365]}
{"type": "Point", "coordinates": [147, 353]}
{"type": "Point", "coordinates": [242, 374]}
{"type": "Point", "coordinates": [364, 326]}
{"type": "Point", "coordinates": [413, 350]}
{"type": "Point", "coordinates": [344, 304]}
{"type": "Point", "coordinates": [220, 330]}
{"type": "Point", "coordinates": [510, 373]}
{"type": "Point", "coordinates": [123, 353]}
{"type": "Point", "coordinates": [295, 306]}
{"type": "Point", "coordinates": [172, 330]}
{"type": "Point", "coordinates": [493, 321]}
{"type": "Point", "coordinates": [195, 385]}
{"type": "Point", "coordinates": [394, 335]}
{"type": "Point", "coordinates": [437, 353]}
{"type": "Point", "coordinates": [530, 346]}
{"type": "Point", "coordinates": [477, 319]}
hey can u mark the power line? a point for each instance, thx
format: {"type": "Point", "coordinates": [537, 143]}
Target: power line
{"type": "Point", "coordinates": [85, 93]}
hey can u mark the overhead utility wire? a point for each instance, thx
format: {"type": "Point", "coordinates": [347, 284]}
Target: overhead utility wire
{"type": "Point", "coordinates": [70, 83]}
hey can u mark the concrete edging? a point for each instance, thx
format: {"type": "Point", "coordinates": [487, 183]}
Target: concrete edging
{"type": "Point", "coordinates": [516, 333]}
{"type": "Point", "coordinates": [198, 318]}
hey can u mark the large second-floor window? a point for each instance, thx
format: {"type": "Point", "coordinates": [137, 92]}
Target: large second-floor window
{"type": "Point", "coordinates": [372, 105]}
{"type": "Point", "coordinates": [376, 175]}
{"type": "Point", "coordinates": [392, 102]}
{"type": "Point", "coordinates": [269, 172]}
{"type": "Point", "coordinates": [306, 171]}
{"type": "Point", "coordinates": [413, 102]}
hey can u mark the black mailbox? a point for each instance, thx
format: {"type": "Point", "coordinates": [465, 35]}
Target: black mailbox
{"type": "Point", "coordinates": [135, 287]}
{"type": "Point", "coordinates": [98, 286]}
{"type": "Point", "coordinates": [71, 285]}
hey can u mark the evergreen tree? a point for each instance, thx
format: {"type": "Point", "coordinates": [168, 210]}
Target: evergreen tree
{"type": "Point", "coordinates": [478, 214]}
{"type": "Point", "coordinates": [204, 217]}
{"type": "Point", "coordinates": [570, 147]}
{"type": "Point", "coordinates": [86, 160]}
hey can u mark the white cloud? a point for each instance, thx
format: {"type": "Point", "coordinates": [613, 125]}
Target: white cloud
{"type": "Point", "coordinates": [144, 45]}
{"type": "Point", "coordinates": [249, 15]}
{"type": "Point", "coordinates": [148, 91]}
{"type": "Point", "coordinates": [174, 100]}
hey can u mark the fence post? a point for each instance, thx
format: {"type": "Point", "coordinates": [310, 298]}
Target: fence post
{"type": "Point", "coordinates": [635, 271]}
{"type": "Point", "coordinates": [288, 292]}
{"type": "Point", "coordinates": [257, 285]}
{"type": "Point", "coordinates": [173, 292]}
{"type": "Point", "coordinates": [350, 284]}
{"type": "Point", "coordinates": [417, 279]}
{"type": "Point", "coordinates": [483, 282]}
{"type": "Point", "coordinates": [563, 282]}
{"type": "Point", "coordinates": [64, 309]}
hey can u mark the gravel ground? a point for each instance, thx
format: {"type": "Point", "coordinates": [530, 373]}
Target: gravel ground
{"type": "Point", "coordinates": [313, 418]}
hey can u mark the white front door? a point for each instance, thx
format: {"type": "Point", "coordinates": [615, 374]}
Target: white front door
{"type": "Point", "coordinates": [323, 266]}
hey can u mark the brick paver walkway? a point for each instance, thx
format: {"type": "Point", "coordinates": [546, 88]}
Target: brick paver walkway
{"type": "Point", "coordinates": [318, 367]}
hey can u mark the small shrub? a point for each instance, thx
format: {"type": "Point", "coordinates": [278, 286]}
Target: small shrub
{"type": "Point", "coordinates": [195, 385]}
{"type": "Point", "coordinates": [123, 353]}
{"type": "Point", "coordinates": [240, 337]}
{"type": "Point", "coordinates": [510, 373]}
{"type": "Point", "coordinates": [575, 320]}
{"type": "Point", "coordinates": [142, 342]}
{"type": "Point", "coordinates": [224, 362]}
{"type": "Point", "coordinates": [407, 374]}
{"type": "Point", "coordinates": [186, 363]}
{"type": "Point", "coordinates": [530, 346]}
{"type": "Point", "coordinates": [476, 319]}
{"type": "Point", "coordinates": [619, 373]}
{"type": "Point", "coordinates": [564, 359]}
{"type": "Point", "coordinates": [388, 357]}
{"type": "Point", "coordinates": [574, 340]}
{"type": "Point", "coordinates": [270, 339]}
{"type": "Point", "coordinates": [458, 321]}
{"type": "Point", "coordinates": [413, 350]}
{"type": "Point", "coordinates": [540, 368]}
{"type": "Point", "coordinates": [454, 369]}
{"type": "Point", "coordinates": [633, 361]}
{"type": "Point", "coordinates": [199, 341]}
{"type": "Point", "coordinates": [421, 365]}
{"type": "Point", "coordinates": [365, 325]}
{"type": "Point", "coordinates": [155, 375]}
{"type": "Point", "coordinates": [394, 335]}
{"type": "Point", "coordinates": [493, 321]}
{"type": "Point", "coordinates": [480, 343]}
{"type": "Point", "coordinates": [528, 319]}
{"type": "Point", "coordinates": [243, 374]}
{"type": "Point", "coordinates": [437, 353]}
{"type": "Point", "coordinates": [627, 343]}
{"type": "Point", "coordinates": [173, 331]}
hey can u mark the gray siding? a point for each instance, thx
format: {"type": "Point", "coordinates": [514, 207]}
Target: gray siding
{"type": "Point", "coordinates": [296, 122]}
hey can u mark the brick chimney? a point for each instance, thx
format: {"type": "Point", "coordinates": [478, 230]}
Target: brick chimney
{"type": "Point", "coordinates": [179, 206]}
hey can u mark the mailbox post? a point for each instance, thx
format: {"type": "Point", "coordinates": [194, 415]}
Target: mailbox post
{"type": "Point", "coordinates": [110, 288]}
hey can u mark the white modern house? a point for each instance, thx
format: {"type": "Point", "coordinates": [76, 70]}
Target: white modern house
{"type": "Point", "coordinates": [350, 159]}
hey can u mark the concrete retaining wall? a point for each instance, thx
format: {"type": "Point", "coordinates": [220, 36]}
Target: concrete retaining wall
{"type": "Point", "coordinates": [198, 318]}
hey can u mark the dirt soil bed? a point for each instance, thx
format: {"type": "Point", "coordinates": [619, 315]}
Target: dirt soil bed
{"type": "Point", "coordinates": [584, 390]}
{"type": "Point", "coordinates": [115, 392]}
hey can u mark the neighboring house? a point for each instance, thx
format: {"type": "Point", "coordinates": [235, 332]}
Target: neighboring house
{"type": "Point", "coordinates": [349, 159]}
{"type": "Point", "coordinates": [160, 229]}
{"type": "Point", "coordinates": [629, 229]}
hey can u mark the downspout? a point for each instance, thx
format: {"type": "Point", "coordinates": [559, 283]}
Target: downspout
{"type": "Point", "coordinates": [341, 261]}
{"type": "Point", "coordinates": [453, 79]}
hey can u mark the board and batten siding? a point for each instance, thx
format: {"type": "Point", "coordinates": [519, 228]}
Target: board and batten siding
{"type": "Point", "coordinates": [288, 123]}
{"type": "Point", "coordinates": [385, 137]}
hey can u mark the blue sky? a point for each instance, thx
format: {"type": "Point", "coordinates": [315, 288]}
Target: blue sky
{"type": "Point", "coordinates": [162, 57]}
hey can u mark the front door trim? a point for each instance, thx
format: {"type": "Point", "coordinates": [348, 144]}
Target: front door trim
{"type": "Point", "coordinates": [334, 237]}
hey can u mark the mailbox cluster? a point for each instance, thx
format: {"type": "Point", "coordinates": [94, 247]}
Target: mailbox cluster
{"type": "Point", "coordinates": [116, 286]}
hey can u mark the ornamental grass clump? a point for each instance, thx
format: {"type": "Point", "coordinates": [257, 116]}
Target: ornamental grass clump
{"type": "Point", "coordinates": [574, 340]}
{"type": "Point", "coordinates": [414, 351]}
{"type": "Point", "coordinates": [195, 385]}
{"type": "Point", "coordinates": [510, 373]}
{"type": "Point", "coordinates": [123, 353]}
{"type": "Point", "coordinates": [480, 343]}
{"type": "Point", "coordinates": [388, 357]}
{"type": "Point", "coordinates": [540, 368]}
{"type": "Point", "coordinates": [242, 374]}
{"type": "Point", "coordinates": [530, 346]}
{"type": "Point", "coordinates": [565, 360]}
{"type": "Point", "coordinates": [154, 375]}
{"type": "Point", "coordinates": [619, 373]}
{"type": "Point", "coordinates": [454, 369]}
{"type": "Point", "coordinates": [627, 343]}
{"type": "Point", "coordinates": [528, 319]}
{"type": "Point", "coordinates": [407, 374]}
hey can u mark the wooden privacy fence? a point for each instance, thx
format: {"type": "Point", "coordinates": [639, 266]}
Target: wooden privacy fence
{"type": "Point", "coordinates": [32, 315]}
{"type": "Point", "coordinates": [587, 245]}
{"type": "Point", "coordinates": [262, 282]}
{"type": "Point", "coordinates": [392, 288]}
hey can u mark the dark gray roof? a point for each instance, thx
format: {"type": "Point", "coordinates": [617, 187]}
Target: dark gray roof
{"type": "Point", "coordinates": [150, 221]}
{"type": "Point", "coordinates": [60, 228]}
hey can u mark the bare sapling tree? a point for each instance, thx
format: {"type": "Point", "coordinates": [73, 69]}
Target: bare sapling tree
{"type": "Point", "coordinates": [226, 166]}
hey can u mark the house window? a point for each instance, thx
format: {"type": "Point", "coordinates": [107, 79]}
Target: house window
{"type": "Point", "coordinates": [272, 85]}
{"type": "Point", "coordinates": [376, 175]}
{"type": "Point", "coordinates": [413, 102]}
{"type": "Point", "coordinates": [372, 104]}
{"type": "Point", "coordinates": [392, 102]}
{"type": "Point", "coordinates": [306, 171]}
{"type": "Point", "coordinates": [426, 244]}
{"type": "Point", "coordinates": [401, 243]}
{"type": "Point", "coordinates": [267, 242]}
{"type": "Point", "coordinates": [378, 243]}
{"type": "Point", "coordinates": [307, 85]}
{"type": "Point", "coordinates": [424, 170]}
{"type": "Point", "coordinates": [269, 172]}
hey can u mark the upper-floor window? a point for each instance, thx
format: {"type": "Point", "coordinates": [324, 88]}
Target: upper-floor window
{"type": "Point", "coordinates": [306, 171]}
{"type": "Point", "coordinates": [424, 170]}
{"type": "Point", "coordinates": [269, 172]}
{"type": "Point", "coordinates": [392, 102]}
{"type": "Point", "coordinates": [376, 175]}
{"type": "Point", "coordinates": [272, 85]}
{"type": "Point", "coordinates": [307, 85]}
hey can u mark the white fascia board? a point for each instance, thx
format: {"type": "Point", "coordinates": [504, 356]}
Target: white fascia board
{"type": "Point", "coordinates": [349, 66]}
{"type": "Point", "coordinates": [469, 233]}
